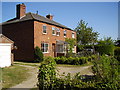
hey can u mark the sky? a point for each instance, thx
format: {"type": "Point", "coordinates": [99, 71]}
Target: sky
{"type": "Point", "coordinates": [101, 16]}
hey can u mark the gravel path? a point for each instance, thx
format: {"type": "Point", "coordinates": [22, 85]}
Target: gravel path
{"type": "Point", "coordinates": [84, 70]}
{"type": "Point", "coordinates": [31, 81]}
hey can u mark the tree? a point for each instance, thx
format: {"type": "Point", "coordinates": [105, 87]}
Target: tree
{"type": "Point", "coordinates": [85, 34]}
{"type": "Point", "coordinates": [71, 43]}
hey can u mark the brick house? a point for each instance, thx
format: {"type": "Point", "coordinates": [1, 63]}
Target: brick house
{"type": "Point", "coordinates": [29, 30]}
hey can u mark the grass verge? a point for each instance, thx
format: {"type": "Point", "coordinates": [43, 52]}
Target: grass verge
{"type": "Point", "coordinates": [27, 63]}
{"type": "Point", "coordinates": [13, 75]}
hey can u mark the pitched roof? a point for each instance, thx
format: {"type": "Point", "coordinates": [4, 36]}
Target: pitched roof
{"type": "Point", "coordinates": [32, 16]}
{"type": "Point", "coordinates": [4, 39]}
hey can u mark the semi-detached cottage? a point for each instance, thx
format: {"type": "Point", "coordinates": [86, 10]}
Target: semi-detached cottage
{"type": "Point", "coordinates": [29, 30]}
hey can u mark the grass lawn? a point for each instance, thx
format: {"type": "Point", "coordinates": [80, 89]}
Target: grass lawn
{"type": "Point", "coordinates": [13, 75]}
{"type": "Point", "coordinates": [27, 63]}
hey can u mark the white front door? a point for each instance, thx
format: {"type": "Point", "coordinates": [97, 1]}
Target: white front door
{"type": "Point", "coordinates": [5, 55]}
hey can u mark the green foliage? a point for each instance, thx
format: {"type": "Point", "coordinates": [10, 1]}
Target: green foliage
{"type": "Point", "coordinates": [105, 69]}
{"type": "Point", "coordinates": [47, 74]}
{"type": "Point", "coordinates": [85, 34]}
{"type": "Point", "coordinates": [105, 49]}
{"type": "Point", "coordinates": [105, 46]}
{"type": "Point", "coordinates": [72, 60]}
{"type": "Point", "coordinates": [107, 74]}
{"type": "Point", "coordinates": [38, 55]}
{"type": "Point", "coordinates": [117, 43]}
{"type": "Point", "coordinates": [117, 53]}
{"type": "Point", "coordinates": [71, 43]}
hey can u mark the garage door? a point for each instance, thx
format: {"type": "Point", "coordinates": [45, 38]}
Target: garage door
{"type": "Point", "coordinates": [5, 55]}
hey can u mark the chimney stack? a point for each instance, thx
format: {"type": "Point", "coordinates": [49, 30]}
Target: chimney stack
{"type": "Point", "coordinates": [49, 16]}
{"type": "Point", "coordinates": [21, 10]}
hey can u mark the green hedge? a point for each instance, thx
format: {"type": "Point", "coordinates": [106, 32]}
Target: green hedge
{"type": "Point", "coordinates": [74, 60]}
{"type": "Point", "coordinates": [105, 49]}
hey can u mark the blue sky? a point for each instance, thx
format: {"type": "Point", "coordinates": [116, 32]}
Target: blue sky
{"type": "Point", "coordinates": [102, 16]}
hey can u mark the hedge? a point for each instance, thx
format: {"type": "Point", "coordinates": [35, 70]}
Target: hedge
{"type": "Point", "coordinates": [105, 49]}
{"type": "Point", "coordinates": [74, 60]}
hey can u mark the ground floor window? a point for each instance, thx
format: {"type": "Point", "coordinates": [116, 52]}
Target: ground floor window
{"type": "Point", "coordinates": [44, 47]}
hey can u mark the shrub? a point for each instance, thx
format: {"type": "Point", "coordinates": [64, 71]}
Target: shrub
{"type": "Point", "coordinates": [107, 72]}
{"type": "Point", "coordinates": [72, 60]}
{"type": "Point", "coordinates": [117, 53]}
{"type": "Point", "coordinates": [47, 74]}
{"type": "Point", "coordinates": [105, 49]}
{"type": "Point", "coordinates": [38, 55]}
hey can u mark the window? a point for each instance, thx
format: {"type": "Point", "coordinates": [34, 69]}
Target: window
{"type": "Point", "coordinates": [58, 32]}
{"type": "Point", "coordinates": [44, 47]}
{"type": "Point", "coordinates": [53, 31]}
{"type": "Point", "coordinates": [60, 48]}
{"type": "Point", "coordinates": [73, 35]}
{"type": "Point", "coordinates": [44, 29]}
{"type": "Point", "coordinates": [65, 32]}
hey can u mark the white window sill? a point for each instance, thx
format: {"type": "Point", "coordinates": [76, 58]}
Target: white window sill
{"type": "Point", "coordinates": [44, 33]}
{"type": "Point", "coordinates": [53, 34]}
{"type": "Point", "coordinates": [45, 52]}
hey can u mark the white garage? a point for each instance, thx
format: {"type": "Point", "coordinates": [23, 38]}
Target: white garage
{"type": "Point", "coordinates": [5, 51]}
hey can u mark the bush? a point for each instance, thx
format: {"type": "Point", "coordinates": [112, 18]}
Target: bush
{"type": "Point", "coordinates": [117, 53]}
{"type": "Point", "coordinates": [105, 49]}
{"type": "Point", "coordinates": [72, 60]}
{"type": "Point", "coordinates": [106, 69]}
{"type": "Point", "coordinates": [47, 74]}
{"type": "Point", "coordinates": [38, 55]}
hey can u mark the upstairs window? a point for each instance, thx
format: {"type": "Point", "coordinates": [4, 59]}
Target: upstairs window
{"type": "Point", "coordinates": [73, 35]}
{"type": "Point", "coordinates": [65, 33]}
{"type": "Point", "coordinates": [44, 29]}
{"type": "Point", "coordinates": [58, 32]}
{"type": "Point", "coordinates": [53, 31]}
{"type": "Point", "coordinates": [44, 47]}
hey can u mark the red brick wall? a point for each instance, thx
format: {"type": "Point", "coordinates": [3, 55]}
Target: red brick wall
{"type": "Point", "coordinates": [49, 38]}
{"type": "Point", "coordinates": [22, 35]}
{"type": "Point", "coordinates": [28, 34]}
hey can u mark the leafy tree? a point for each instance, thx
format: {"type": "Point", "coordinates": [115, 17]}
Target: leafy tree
{"type": "Point", "coordinates": [85, 34]}
{"type": "Point", "coordinates": [71, 43]}
{"type": "Point", "coordinates": [38, 55]}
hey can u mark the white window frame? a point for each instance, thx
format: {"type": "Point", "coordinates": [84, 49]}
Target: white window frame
{"type": "Point", "coordinates": [53, 28]}
{"type": "Point", "coordinates": [43, 29]}
{"type": "Point", "coordinates": [44, 47]}
{"type": "Point", "coordinates": [65, 33]}
{"type": "Point", "coordinates": [57, 30]}
{"type": "Point", "coordinates": [73, 34]}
